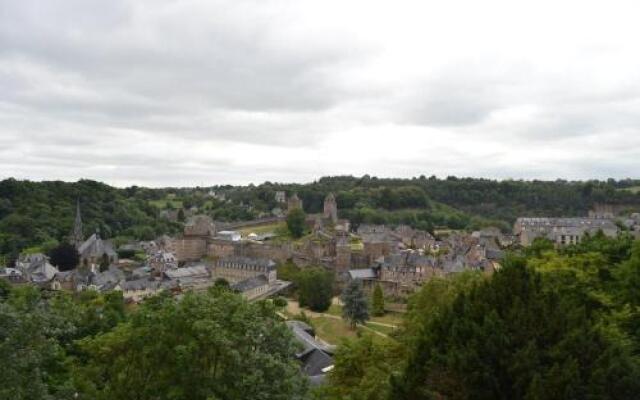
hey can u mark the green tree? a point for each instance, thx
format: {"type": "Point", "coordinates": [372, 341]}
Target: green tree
{"type": "Point", "coordinates": [32, 361]}
{"type": "Point", "coordinates": [5, 289]}
{"type": "Point", "coordinates": [280, 302]}
{"type": "Point", "coordinates": [377, 301]}
{"type": "Point", "coordinates": [362, 369]}
{"type": "Point", "coordinates": [222, 283]}
{"type": "Point", "coordinates": [315, 288]}
{"type": "Point", "coordinates": [288, 271]}
{"type": "Point", "coordinates": [354, 304]}
{"type": "Point", "coordinates": [296, 222]}
{"type": "Point", "coordinates": [64, 256]}
{"type": "Point", "coordinates": [208, 345]}
{"type": "Point", "coordinates": [518, 336]}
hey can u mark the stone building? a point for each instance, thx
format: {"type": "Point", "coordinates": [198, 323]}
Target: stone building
{"type": "Point", "coordinates": [252, 277]}
{"type": "Point", "coordinates": [561, 231]}
{"type": "Point", "coordinates": [294, 202]}
{"type": "Point", "coordinates": [343, 255]}
{"type": "Point", "coordinates": [237, 269]}
{"type": "Point", "coordinates": [252, 288]}
{"type": "Point", "coordinates": [198, 235]}
{"type": "Point", "coordinates": [35, 268]}
{"type": "Point", "coordinates": [330, 209]}
{"type": "Point", "coordinates": [221, 248]}
{"type": "Point", "coordinates": [94, 250]}
{"type": "Point", "coordinates": [281, 197]}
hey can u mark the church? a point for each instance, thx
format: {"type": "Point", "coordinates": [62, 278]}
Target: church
{"type": "Point", "coordinates": [94, 250]}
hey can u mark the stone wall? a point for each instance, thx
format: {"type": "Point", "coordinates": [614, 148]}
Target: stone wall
{"type": "Point", "coordinates": [190, 249]}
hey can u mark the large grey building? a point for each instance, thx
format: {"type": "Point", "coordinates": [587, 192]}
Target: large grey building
{"type": "Point", "coordinates": [562, 231]}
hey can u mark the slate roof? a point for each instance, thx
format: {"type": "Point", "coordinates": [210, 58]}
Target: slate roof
{"type": "Point", "coordinates": [495, 254]}
{"type": "Point", "coordinates": [314, 356]}
{"type": "Point", "coordinates": [365, 273]}
{"type": "Point", "coordinates": [106, 280]}
{"type": "Point", "coordinates": [140, 284]}
{"type": "Point", "coordinates": [250, 283]}
{"type": "Point", "coordinates": [96, 247]}
{"type": "Point", "coordinates": [187, 272]}
{"type": "Point", "coordinates": [36, 267]}
{"type": "Point", "coordinates": [247, 261]}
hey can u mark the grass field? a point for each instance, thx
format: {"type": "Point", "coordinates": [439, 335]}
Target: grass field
{"type": "Point", "coordinates": [332, 330]}
{"type": "Point", "coordinates": [387, 330]}
{"type": "Point", "coordinates": [391, 318]}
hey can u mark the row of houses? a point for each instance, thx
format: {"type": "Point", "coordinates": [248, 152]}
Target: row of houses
{"type": "Point", "coordinates": [403, 270]}
{"type": "Point", "coordinates": [253, 278]}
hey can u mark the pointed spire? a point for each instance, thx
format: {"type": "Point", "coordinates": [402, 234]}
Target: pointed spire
{"type": "Point", "coordinates": [77, 236]}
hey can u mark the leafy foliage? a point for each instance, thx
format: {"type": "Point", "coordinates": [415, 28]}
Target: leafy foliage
{"type": "Point", "coordinates": [362, 369]}
{"type": "Point", "coordinates": [522, 334]}
{"type": "Point", "coordinates": [315, 288]}
{"type": "Point", "coordinates": [296, 222]}
{"type": "Point", "coordinates": [85, 346]}
{"type": "Point", "coordinates": [64, 256]}
{"type": "Point", "coordinates": [377, 301]}
{"type": "Point", "coordinates": [33, 213]}
{"type": "Point", "coordinates": [204, 346]}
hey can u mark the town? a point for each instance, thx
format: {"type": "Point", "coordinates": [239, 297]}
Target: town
{"type": "Point", "coordinates": [245, 256]}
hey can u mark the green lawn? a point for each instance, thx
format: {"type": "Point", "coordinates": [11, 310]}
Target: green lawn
{"type": "Point", "coordinates": [391, 318]}
{"type": "Point", "coordinates": [382, 329]}
{"type": "Point", "coordinates": [334, 310]}
{"type": "Point", "coordinates": [332, 330]}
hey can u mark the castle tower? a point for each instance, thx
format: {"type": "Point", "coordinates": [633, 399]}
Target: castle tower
{"type": "Point", "coordinates": [331, 208]}
{"type": "Point", "coordinates": [294, 202]}
{"type": "Point", "coordinates": [76, 238]}
{"type": "Point", "coordinates": [343, 255]}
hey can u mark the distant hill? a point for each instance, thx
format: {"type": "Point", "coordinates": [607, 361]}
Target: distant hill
{"type": "Point", "coordinates": [41, 213]}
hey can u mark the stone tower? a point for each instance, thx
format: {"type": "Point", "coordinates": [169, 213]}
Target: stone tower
{"type": "Point", "coordinates": [76, 238]}
{"type": "Point", "coordinates": [331, 208]}
{"type": "Point", "coordinates": [343, 255]}
{"type": "Point", "coordinates": [294, 202]}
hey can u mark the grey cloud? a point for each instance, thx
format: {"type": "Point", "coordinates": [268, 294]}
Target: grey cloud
{"type": "Point", "coordinates": [142, 66]}
{"type": "Point", "coordinates": [157, 92]}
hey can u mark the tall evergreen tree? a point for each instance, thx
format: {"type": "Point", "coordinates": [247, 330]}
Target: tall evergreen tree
{"type": "Point", "coordinates": [355, 308]}
{"type": "Point", "coordinates": [377, 301]}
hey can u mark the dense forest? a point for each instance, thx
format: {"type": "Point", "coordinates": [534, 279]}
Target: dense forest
{"type": "Point", "coordinates": [40, 214]}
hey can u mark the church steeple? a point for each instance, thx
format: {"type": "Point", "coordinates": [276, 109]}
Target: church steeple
{"type": "Point", "coordinates": [76, 235]}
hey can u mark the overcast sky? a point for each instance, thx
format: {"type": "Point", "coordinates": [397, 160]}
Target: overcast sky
{"type": "Point", "coordinates": [182, 93]}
